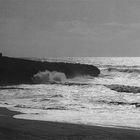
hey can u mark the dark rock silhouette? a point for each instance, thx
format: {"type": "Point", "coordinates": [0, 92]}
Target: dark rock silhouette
{"type": "Point", "coordinates": [17, 70]}
{"type": "Point", "coordinates": [124, 88]}
{"type": "Point", "coordinates": [127, 70]}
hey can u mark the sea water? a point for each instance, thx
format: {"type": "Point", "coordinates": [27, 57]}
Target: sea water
{"type": "Point", "coordinates": [84, 99]}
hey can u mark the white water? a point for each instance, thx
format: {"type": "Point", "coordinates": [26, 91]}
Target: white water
{"type": "Point", "coordinates": [85, 104]}
{"type": "Point", "coordinates": [49, 77]}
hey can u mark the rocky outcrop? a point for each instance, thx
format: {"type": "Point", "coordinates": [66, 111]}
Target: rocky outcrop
{"type": "Point", "coordinates": [16, 70]}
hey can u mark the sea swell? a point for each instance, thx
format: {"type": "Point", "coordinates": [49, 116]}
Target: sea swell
{"type": "Point", "coordinates": [124, 88]}
{"type": "Point", "coordinates": [125, 70]}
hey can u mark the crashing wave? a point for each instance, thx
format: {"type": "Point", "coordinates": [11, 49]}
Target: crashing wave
{"type": "Point", "coordinates": [49, 77]}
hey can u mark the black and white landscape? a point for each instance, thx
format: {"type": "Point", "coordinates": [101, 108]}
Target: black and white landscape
{"type": "Point", "coordinates": [69, 70]}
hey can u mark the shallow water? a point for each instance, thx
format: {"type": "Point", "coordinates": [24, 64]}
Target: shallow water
{"type": "Point", "coordinates": [84, 99]}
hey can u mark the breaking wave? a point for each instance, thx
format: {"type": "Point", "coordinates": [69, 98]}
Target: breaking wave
{"type": "Point", "coordinates": [49, 77]}
{"type": "Point", "coordinates": [54, 77]}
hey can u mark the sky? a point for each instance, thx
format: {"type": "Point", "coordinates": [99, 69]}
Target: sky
{"type": "Point", "coordinates": [71, 28]}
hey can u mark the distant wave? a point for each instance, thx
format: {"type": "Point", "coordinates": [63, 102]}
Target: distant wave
{"type": "Point", "coordinates": [136, 104]}
{"type": "Point", "coordinates": [127, 70]}
{"type": "Point", "coordinates": [124, 88]}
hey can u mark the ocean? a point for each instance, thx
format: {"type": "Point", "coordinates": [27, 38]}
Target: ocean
{"type": "Point", "coordinates": [112, 99]}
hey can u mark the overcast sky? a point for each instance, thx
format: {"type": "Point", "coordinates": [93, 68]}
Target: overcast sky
{"type": "Point", "coordinates": [44, 28]}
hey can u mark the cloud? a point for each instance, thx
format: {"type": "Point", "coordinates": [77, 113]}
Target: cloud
{"type": "Point", "coordinates": [134, 25]}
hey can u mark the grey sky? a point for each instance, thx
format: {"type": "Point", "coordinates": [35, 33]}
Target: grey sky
{"type": "Point", "coordinates": [42, 28]}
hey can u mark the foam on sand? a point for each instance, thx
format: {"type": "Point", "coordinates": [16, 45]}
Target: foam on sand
{"type": "Point", "coordinates": [106, 118]}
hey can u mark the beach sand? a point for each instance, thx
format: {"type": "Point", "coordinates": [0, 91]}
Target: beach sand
{"type": "Point", "coordinates": [19, 129]}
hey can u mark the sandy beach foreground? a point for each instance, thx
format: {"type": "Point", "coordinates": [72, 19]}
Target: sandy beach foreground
{"type": "Point", "coordinates": [18, 129]}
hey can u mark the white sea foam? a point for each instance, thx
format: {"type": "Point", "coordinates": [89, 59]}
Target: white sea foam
{"type": "Point", "coordinates": [92, 104]}
{"type": "Point", "coordinates": [105, 117]}
{"type": "Point", "coordinates": [47, 76]}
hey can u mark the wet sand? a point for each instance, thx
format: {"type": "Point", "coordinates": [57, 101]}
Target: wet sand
{"type": "Point", "coordinates": [19, 129]}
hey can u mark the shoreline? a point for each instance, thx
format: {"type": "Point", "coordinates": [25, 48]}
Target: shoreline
{"type": "Point", "coordinates": [17, 129]}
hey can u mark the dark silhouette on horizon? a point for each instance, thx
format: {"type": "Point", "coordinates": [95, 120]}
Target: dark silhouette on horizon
{"type": "Point", "coordinates": [18, 71]}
